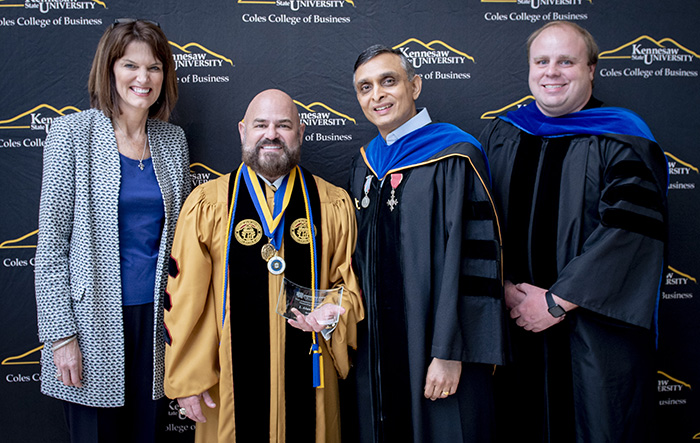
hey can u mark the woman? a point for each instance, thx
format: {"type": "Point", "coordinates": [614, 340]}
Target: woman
{"type": "Point", "coordinates": [114, 179]}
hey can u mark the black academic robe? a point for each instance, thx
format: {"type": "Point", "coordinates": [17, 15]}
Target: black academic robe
{"type": "Point", "coordinates": [583, 216]}
{"type": "Point", "coordinates": [431, 280]}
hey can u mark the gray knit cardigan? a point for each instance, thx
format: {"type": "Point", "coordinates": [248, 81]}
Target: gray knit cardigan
{"type": "Point", "coordinates": [78, 281]}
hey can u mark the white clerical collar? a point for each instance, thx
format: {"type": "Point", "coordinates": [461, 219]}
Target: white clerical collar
{"type": "Point", "coordinates": [416, 122]}
{"type": "Point", "coordinates": [274, 185]}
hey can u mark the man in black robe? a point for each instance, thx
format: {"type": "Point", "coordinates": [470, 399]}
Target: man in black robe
{"type": "Point", "coordinates": [428, 256]}
{"type": "Point", "coordinates": [581, 192]}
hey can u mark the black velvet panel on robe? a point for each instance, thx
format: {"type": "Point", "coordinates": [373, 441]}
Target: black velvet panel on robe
{"type": "Point", "coordinates": [248, 275]}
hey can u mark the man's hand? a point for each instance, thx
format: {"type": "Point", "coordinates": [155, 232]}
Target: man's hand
{"type": "Point", "coordinates": [442, 378]}
{"type": "Point", "coordinates": [532, 313]}
{"type": "Point", "coordinates": [317, 320]}
{"type": "Point", "coordinates": [513, 296]}
{"type": "Point", "coordinates": [69, 363]}
{"type": "Point", "coordinates": [193, 408]}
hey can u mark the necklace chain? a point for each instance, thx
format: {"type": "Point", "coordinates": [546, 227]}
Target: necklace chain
{"type": "Point", "coordinates": [145, 143]}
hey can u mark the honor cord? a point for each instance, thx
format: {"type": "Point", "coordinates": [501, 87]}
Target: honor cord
{"type": "Point", "coordinates": [318, 375]}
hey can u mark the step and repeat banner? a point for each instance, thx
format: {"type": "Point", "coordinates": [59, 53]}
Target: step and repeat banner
{"type": "Point", "coordinates": [471, 55]}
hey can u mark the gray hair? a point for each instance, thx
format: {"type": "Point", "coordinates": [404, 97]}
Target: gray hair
{"type": "Point", "coordinates": [375, 50]}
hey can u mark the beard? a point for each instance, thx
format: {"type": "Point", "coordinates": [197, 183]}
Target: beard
{"type": "Point", "coordinates": [271, 166]}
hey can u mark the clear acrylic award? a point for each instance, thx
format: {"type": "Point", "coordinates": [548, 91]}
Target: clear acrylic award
{"type": "Point", "coordinates": [324, 303]}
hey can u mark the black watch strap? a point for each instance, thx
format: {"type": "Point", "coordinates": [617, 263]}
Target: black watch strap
{"type": "Point", "coordinates": [553, 308]}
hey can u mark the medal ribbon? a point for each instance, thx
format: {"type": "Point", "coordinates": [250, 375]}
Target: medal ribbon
{"type": "Point", "coordinates": [270, 222]}
{"type": "Point", "coordinates": [396, 180]}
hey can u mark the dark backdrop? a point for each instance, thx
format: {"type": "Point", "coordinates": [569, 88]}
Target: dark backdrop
{"type": "Point", "coordinates": [471, 55]}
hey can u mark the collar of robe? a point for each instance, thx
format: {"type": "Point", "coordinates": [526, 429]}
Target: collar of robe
{"type": "Point", "coordinates": [595, 121]}
{"type": "Point", "coordinates": [413, 149]}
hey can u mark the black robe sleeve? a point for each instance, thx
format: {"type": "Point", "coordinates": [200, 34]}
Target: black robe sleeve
{"type": "Point", "coordinates": [618, 271]}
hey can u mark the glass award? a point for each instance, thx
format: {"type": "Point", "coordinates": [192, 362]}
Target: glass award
{"type": "Point", "coordinates": [324, 303]}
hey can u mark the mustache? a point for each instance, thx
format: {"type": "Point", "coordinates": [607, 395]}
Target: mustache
{"type": "Point", "coordinates": [267, 142]}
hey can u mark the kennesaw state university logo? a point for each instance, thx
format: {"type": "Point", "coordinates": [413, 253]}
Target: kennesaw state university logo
{"type": "Point", "coordinates": [45, 6]}
{"type": "Point", "coordinates": [323, 123]}
{"type": "Point", "coordinates": [648, 50]}
{"type": "Point", "coordinates": [196, 63]}
{"type": "Point", "coordinates": [296, 5]}
{"type": "Point", "coordinates": [677, 285]}
{"type": "Point", "coordinates": [676, 278]}
{"type": "Point", "coordinates": [320, 114]}
{"type": "Point", "coordinates": [490, 115]}
{"type": "Point", "coordinates": [30, 357]}
{"type": "Point", "coordinates": [201, 173]}
{"type": "Point", "coordinates": [427, 58]}
{"type": "Point", "coordinates": [24, 242]}
{"type": "Point", "coordinates": [194, 55]}
{"type": "Point", "coordinates": [38, 118]}
{"type": "Point", "coordinates": [535, 4]}
{"type": "Point", "coordinates": [681, 170]}
{"type": "Point", "coordinates": [672, 389]}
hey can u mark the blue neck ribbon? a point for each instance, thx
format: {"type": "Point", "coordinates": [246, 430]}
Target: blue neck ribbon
{"type": "Point", "coordinates": [271, 223]}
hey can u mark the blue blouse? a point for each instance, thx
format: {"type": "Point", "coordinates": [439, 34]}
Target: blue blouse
{"type": "Point", "coordinates": [141, 218]}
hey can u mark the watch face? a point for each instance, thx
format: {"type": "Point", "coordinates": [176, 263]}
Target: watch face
{"type": "Point", "coordinates": [557, 311]}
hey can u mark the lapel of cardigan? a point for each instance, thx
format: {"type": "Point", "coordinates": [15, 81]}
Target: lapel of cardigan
{"type": "Point", "coordinates": [162, 165]}
{"type": "Point", "coordinates": [105, 163]}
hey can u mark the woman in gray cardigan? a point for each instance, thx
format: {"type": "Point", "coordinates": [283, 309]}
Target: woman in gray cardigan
{"type": "Point", "coordinates": [114, 179]}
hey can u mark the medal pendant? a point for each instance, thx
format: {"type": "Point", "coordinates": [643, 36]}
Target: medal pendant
{"type": "Point", "coordinates": [276, 265]}
{"type": "Point", "coordinates": [392, 202]}
{"type": "Point", "coordinates": [395, 180]}
{"type": "Point", "coordinates": [366, 188]}
{"type": "Point", "coordinates": [267, 252]}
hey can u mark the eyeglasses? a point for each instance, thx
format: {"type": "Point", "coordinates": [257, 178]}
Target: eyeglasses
{"type": "Point", "coordinates": [126, 21]}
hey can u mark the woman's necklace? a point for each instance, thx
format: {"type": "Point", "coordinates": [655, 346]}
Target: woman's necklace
{"type": "Point", "coordinates": [145, 143]}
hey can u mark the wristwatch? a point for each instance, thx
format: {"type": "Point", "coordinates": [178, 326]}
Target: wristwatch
{"type": "Point", "coordinates": [553, 308]}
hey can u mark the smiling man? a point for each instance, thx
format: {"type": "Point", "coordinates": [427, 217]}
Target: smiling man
{"type": "Point", "coordinates": [235, 366]}
{"type": "Point", "coordinates": [428, 255]}
{"type": "Point", "coordinates": [581, 191]}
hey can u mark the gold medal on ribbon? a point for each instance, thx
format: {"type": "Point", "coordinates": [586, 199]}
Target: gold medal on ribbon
{"type": "Point", "coordinates": [268, 251]}
{"type": "Point", "coordinates": [248, 232]}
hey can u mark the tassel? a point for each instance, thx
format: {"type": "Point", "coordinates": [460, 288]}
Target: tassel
{"type": "Point", "coordinates": [317, 365]}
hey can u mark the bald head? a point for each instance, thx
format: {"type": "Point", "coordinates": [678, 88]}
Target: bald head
{"type": "Point", "coordinates": [271, 134]}
{"type": "Point", "coordinates": [273, 99]}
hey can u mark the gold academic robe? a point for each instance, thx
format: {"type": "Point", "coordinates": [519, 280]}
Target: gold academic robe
{"type": "Point", "coordinates": [199, 358]}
